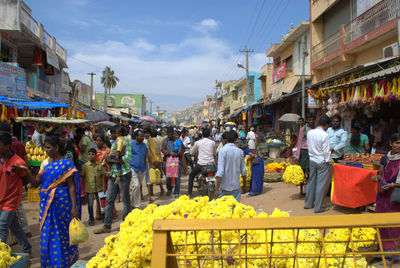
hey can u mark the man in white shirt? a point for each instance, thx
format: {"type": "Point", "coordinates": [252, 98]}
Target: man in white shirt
{"type": "Point", "coordinates": [206, 151]}
{"type": "Point", "coordinates": [320, 166]}
{"type": "Point", "coordinates": [251, 139]}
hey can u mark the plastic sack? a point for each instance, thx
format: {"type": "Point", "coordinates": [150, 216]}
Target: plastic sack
{"type": "Point", "coordinates": [172, 168]}
{"type": "Point", "coordinates": [102, 201]}
{"type": "Point", "coordinates": [155, 176]}
{"type": "Point", "coordinates": [77, 232]}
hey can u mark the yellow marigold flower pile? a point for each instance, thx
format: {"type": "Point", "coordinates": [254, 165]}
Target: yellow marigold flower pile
{"type": "Point", "coordinates": [132, 246]}
{"type": "Point", "coordinates": [293, 175]}
{"type": "Point", "coordinates": [342, 235]}
{"type": "Point", "coordinates": [5, 255]}
{"type": "Point", "coordinates": [248, 172]}
{"type": "Point", "coordinates": [278, 167]}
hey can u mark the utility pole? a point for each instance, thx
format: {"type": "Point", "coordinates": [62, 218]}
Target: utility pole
{"type": "Point", "coordinates": [151, 107]}
{"type": "Point", "coordinates": [303, 82]}
{"type": "Point", "coordinates": [246, 50]}
{"type": "Point", "coordinates": [91, 89]}
{"type": "Point", "coordinates": [105, 91]}
{"type": "Point", "coordinates": [158, 112]}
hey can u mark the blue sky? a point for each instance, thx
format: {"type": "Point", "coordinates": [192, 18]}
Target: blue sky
{"type": "Point", "coordinates": [171, 51]}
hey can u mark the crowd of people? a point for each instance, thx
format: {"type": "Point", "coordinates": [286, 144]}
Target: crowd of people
{"type": "Point", "coordinates": [117, 163]}
{"type": "Point", "coordinates": [89, 163]}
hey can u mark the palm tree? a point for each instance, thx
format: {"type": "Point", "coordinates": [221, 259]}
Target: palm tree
{"type": "Point", "coordinates": [109, 80]}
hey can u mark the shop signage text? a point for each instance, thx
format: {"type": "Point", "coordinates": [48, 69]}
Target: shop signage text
{"type": "Point", "coordinates": [280, 72]}
{"type": "Point", "coordinates": [12, 81]}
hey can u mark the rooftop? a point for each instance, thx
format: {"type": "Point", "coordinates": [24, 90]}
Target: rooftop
{"type": "Point", "coordinates": [288, 39]}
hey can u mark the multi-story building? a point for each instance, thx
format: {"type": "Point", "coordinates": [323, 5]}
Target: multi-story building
{"type": "Point", "coordinates": [25, 43]}
{"type": "Point", "coordinates": [355, 47]}
{"type": "Point", "coordinates": [266, 78]}
{"type": "Point", "coordinates": [350, 33]}
{"type": "Point", "coordinates": [290, 56]}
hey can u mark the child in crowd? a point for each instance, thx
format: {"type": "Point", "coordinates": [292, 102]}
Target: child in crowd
{"type": "Point", "coordinates": [93, 173]}
{"type": "Point", "coordinates": [120, 151]}
{"type": "Point", "coordinates": [178, 142]}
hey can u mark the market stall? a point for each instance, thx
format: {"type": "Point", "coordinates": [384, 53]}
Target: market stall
{"type": "Point", "coordinates": [353, 186]}
{"type": "Point", "coordinates": [352, 180]}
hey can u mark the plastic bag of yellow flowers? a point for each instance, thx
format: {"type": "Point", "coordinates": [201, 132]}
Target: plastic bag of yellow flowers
{"type": "Point", "coordinates": [132, 246]}
{"type": "Point", "coordinates": [293, 175]}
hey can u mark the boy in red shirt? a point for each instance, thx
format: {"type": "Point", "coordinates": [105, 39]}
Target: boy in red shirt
{"type": "Point", "coordinates": [12, 170]}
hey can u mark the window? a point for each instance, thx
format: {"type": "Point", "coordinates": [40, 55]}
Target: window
{"type": "Point", "coordinates": [289, 63]}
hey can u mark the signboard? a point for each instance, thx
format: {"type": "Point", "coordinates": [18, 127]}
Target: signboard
{"type": "Point", "coordinates": [120, 100]}
{"type": "Point", "coordinates": [83, 93]}
{"type": "Point", "coordinates": [312, 103]}
{"type": "Point", "coordinates": [52, 58]}
{"type": "Point", "coordinates": [364, 5]}
{"type": "Point", "coordinates": [12, 81]}
{"type": "Point", "coordinates": [280, 72]}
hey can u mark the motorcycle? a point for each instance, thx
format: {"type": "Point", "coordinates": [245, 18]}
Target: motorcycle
{"type": "Point", "coordinates": [206, 181]}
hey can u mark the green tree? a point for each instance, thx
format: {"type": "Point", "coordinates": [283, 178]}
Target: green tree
{"type": "Point", "coordinates": [109, 80]}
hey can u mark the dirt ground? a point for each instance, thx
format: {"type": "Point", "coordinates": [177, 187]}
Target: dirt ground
{"type": "Point", "coordinates": [275, 195]}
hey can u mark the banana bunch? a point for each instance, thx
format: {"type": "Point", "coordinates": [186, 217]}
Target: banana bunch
{"type": "Point", "coordinates": [35, 153]}
{"type": "Point", "coordinates": [5, 255]}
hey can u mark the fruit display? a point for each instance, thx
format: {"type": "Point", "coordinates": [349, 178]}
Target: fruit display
{"type": "Point", "coordinates": [132, 246]}
{"type": "Point", "coordinates": [35, 153]}
{"type": "Point", "coordinates": [5, 255]}
{"type": "Point", "coordinates": [278, 167]}
{"type": "Point", "coordinates": [293, 175]}
{"type": "Point", "coordinates": [368, 159]}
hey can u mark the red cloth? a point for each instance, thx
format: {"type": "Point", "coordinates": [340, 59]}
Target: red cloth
{"type": "Point", "coordinates": [353, 186]}
{"type": "Point", "coordinates": [10, 183]}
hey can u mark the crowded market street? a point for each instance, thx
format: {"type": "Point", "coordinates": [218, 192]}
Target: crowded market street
{"type": "Point", "coordinates": [152, 134]}
{"type": "Point", "coordinates": [275, 195]}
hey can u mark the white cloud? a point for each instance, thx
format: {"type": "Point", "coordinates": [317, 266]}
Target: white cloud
{"type": "Point", "coordinates": [206, 25]}
{"type": "Point", "coordinates": [188, 68]}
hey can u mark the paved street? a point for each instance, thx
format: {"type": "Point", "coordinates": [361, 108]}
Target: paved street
{"type": "Point", "coordinates": [275, 195]}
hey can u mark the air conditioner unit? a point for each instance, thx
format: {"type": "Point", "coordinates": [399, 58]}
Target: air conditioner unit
{"type": "Point", "coordinates": [391, 51]}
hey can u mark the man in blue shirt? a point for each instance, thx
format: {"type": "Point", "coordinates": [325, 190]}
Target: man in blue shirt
{"type": "Point", "coordinates": [337, 138]}
{"type": "Point", "coordinates": [230, 165]}
{"type": "Point", "coordinates": [138, 165]}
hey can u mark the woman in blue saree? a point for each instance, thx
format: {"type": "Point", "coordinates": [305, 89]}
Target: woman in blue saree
{"type": "Point", "coordinates": [257, 172]}
{"type": "Point", "coordinates": [59, 204]}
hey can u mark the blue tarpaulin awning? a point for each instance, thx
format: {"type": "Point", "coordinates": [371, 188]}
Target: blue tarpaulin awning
{"type": "Point", "coordinates": [32, 105]}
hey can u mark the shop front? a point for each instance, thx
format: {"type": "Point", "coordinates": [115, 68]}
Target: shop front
{"type": "Point", "coordinates": [367, 98]}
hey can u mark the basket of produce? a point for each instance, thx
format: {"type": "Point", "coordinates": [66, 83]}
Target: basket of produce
{"type": "Point", "coordinates": [22, 260]}
{"type": "Point", "coordinates": [277, 167]}
{"type": "Point", "coordinates": [272, 176]}
{"type": "Point", "coordinates": [34, 153]}
{"type": "Point", "coordinates": [8, 259]}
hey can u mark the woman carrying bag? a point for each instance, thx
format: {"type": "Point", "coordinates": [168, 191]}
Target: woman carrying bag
{"type": "Point", "coordinates": [60, 202]}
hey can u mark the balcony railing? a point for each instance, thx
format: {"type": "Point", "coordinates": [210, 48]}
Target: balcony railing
{"type": "Point", "coordinates": [372, 19]}
{"type": "Point", "coordinates": [326, 47]}
{"type": "Point", "coordinates": [35, 28]}
{"type": "Point", "coordinates": [30, 23]}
